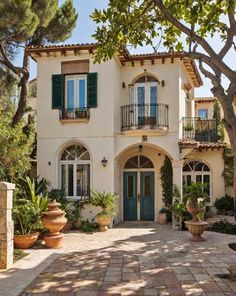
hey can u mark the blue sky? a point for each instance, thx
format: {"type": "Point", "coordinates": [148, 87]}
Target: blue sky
{"type": "Point", "coordinates": [85, 28]}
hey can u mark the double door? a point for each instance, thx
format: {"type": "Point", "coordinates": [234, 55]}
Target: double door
{"type": "Point", "coordinates": [138, 196]}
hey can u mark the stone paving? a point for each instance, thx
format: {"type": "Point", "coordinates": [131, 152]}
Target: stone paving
{"type": "Point", "coordinates": [135, 259]}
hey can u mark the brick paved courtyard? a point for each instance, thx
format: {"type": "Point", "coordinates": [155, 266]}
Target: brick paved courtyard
{"type": "Point", "coordinates": [139, 259]}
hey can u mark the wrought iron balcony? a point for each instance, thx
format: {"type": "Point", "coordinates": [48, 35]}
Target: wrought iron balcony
{"type": "Point", "coordinates": [144, 116]}
{"type": "Point", "coordinates": [200, 130]}
{"type": "Point", "coordinates": [74, 113]}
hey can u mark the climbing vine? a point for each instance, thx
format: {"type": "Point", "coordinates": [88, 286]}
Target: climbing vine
{"type": "Point", "coordinates": [220, 135]}
{"type": "Point", "coordinates": [167, 182]}
{"type": "Point", "coordinates": [228, 172]}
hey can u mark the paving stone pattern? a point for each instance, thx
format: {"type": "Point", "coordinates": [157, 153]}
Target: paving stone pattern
{"type": "Point", "coordinates": [138, 259]}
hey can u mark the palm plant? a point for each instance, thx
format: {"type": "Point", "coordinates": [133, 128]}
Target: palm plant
{"type": "Point", "coordinates": [105, 200]}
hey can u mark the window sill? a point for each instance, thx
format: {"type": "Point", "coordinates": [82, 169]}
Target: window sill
{"type": "Point", "coordinates": [75, 198]}
{"type": "Point", "coordinates": [77, 120]}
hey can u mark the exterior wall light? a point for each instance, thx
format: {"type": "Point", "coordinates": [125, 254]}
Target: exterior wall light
{"type": "Point", "coordinates": [104, 162]}
{"type": "Point", "coordinates": [163, 83]}
{"type": "Point", "coordinates": [123, 84]}
{"type": "Point", "coordinates": [140, 148]}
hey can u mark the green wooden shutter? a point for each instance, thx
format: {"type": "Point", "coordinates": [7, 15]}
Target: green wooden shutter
{"type": "Point", "coordinates": [92, 90]}
{"type": "Point", "coordinates": [57, 91]}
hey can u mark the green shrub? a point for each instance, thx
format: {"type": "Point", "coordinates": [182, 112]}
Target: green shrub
{"type": "Point", "coordinates": [225, 203]}
{"type": "Point", "coordinates": [88, 227]}
{"type": "Point", "coordinates": [223, 227]}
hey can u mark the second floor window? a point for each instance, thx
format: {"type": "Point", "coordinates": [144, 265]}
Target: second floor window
{"type": "Point", "coordinates": [75, 91]}
{"type": "Point", "coordinates": [203, 113]}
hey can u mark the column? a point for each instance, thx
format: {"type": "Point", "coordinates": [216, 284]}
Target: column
{"type": "Point", "coordinates": [177, 166]}
{"type": "Point", "coordinates": [6, 225]}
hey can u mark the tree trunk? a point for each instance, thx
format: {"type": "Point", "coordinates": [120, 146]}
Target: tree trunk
{"type": "Point", "coordinates": [234, 187]}
{"type": "Point", "coordinates": [23, 92]}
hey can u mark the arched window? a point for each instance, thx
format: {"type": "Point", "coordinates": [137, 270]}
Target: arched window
{"type": "Point", "coordinates": [139, 162]}
{"type": "Point", "coordinates": [197, 171]}
{"type": "Point", "coordinates": [75, 171]}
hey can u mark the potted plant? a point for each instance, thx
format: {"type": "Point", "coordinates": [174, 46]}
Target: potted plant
{"type": "Point", "coordinates": [177, 208]}
{"type": "Point", "coordinates": [194, 194]}
{"type": "Point", "coordinates": [27, 222]}
{"type": "Point", "coordinates": [162, 217]}
{"type": "Point", "coordinates": [27, 216]}
{"type": "Point", "coordinates": [188, 127]}
{"type": "Point", "coordinates": [107, 202]}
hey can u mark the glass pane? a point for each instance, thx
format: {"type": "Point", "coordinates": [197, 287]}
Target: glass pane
{"type": "Point", "coordinates": [130, 189]}
{"type": "Point", "coordinates": [141, 79]}
{"type": "Point", "coordinates": [153, 100]}
{"type": "Point", "coordinates": [189, 180]}
{"type": "Point", "coordinates": [69, 153]}
{"type": "Point", "coordinates": [147, 186]}
{"type": "Point", "coordinates": [70, 94]}
{"type": "Point", "coordinates": [141, 94]}
{"type": "Point", "coordinates": [199, 178]}
{"type": "Point", "coordinates": [67, 181]}
{"type": "Point", "coordinates": [132, 163]}
{"type": "Point", "coordinates": [144, 162]}
{"type": "Point", "coordinates": [80, 150]}
{"type": "Point", "coordinates": [85, 156]}
{"type": "Point", "coordinates": [83, 179]}
{"type": "Point", "coordinates": [206, 181]}
{"type": "Point", "coordinates": [188, 167]}
{"type": "Point", "coordinates": [206, 168]}
{"type": "Point", "coordinates": [203, 114]}
{"type": "Point", "coordinates": [82, 94]}
{"type": "Point", "coordinates": [199, 166]}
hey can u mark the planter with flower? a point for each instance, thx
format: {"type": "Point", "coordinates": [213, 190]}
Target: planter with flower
{"type": "Point", "coordinates": [106, 201]}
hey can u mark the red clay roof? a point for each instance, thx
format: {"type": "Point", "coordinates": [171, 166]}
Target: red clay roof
{"type": "Point", "coordinates": [205, 99]}
{"type": "Point", "coordinates": [124, 57]}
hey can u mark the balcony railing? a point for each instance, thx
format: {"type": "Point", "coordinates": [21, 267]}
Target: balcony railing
{"type": "Point", "coordinates": [144, 116]}
{"type": "Point", "coordinates": [200, 130]}
{"type": "Point", "coordinates": [74, 113]}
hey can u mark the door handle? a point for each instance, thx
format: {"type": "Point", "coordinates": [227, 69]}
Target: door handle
{"type": "Point", "coordinates": [138, 195]}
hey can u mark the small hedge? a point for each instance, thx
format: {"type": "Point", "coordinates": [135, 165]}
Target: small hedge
{"type": "Point", "coordinates": [224, 204]}
{"type": "Point", "coordinates": [223, 227]}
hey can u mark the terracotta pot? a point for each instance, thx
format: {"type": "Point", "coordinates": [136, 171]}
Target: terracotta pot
{"type": "Point", "coordinates": [193, 209]}
{"type": "Point", "coordinates": [54, 242]}
{"type": "Point", "coordinates": [103, 221]}
{"type": "Point", "coordinates": [54, 220]}
{"type": "Point", "coordinates": [162, 218]}
{"type": "Point", "coordinates": [196, 229]}
{"type": "Point", "coordinates": [25, 241]}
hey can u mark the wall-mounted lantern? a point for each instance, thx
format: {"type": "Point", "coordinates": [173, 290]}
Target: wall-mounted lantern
{"type": "Point", "coordinates": [163, 83]}
{"type": "Point", "coordinates": [104, 162]}
{"type": "Point", "coordinates": [123, 84]}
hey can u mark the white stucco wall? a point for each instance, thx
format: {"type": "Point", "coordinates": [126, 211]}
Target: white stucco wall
{"type": "Point", "coordinates": [102, 135]}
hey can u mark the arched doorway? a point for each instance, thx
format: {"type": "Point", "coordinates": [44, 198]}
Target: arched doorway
{"type": "Point", "coordinates": [138, 189]}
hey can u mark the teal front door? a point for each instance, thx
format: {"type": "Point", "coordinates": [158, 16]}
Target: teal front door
{"type": "Point", "coordinates": [130, 196]}
{"type": "Point", "coordinates": [147, 196]}
{"type": "Point", "coordinates": [139, 196]}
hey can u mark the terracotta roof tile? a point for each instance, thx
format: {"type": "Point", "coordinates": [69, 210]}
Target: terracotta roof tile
{"type": "Point", "coordinates": [205, 99]}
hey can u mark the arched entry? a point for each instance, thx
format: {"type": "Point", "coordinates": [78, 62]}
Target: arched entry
{"type": "Point", "coordinates": [138, 187]}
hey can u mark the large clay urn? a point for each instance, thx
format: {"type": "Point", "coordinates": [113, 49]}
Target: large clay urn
{"type": "Point", "coordinates": [193, 209]}
{"type": "Point", "coordinates": [54, 220]}
{"type": "Point", "coordinates": [103, 221]}
{"type": "Point", "coordinates": [196, 229]}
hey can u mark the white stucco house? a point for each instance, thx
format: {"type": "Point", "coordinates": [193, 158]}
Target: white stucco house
{"type": "Point", "coordinates": [109, 126]}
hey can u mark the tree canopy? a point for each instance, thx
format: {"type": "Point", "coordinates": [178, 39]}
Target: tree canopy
{"type": "Point", "coordinates": [31, 23]}
{"type": "Point", "coordinates": [188, 25]}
